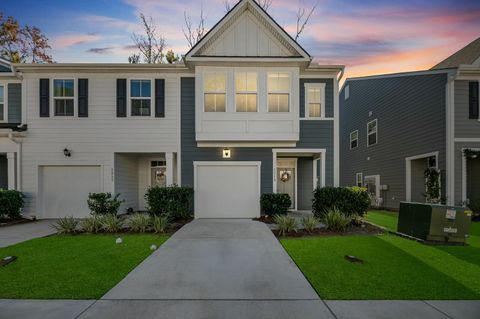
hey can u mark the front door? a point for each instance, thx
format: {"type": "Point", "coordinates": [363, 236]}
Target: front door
{"type": "Point", "coordinates": [158, 173]}
{"type": "Point", "coordinates": [286, 181]}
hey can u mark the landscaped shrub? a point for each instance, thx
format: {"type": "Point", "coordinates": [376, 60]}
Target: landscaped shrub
{"type": "Point", "coordinates": [349, 200]}
{"type": "Point", "coordinates": [160, 224]}
{"type": "Point", "coordinates": [275, 203]}
{"type": "Point", "coordinates": [11, 203]}
{"type": "Point", "coordinates": [174, 201]}
{"type": "Point", "coordinates": [66, 225]}
{"type": "Point", "coordinates": [139, 223]}
{"type": "Point", "coordinates": [310, 223]}
{"type": "Point", "coordinates": [286, 224]}
{"type": "Point", "coordinates": [91, 224]}
{"type": "Point", "coordinates": [103, 203]}
{"type": "Point", "coordinates": [336, 220]}
{"type": "Point", "coordinates": [111, 223]}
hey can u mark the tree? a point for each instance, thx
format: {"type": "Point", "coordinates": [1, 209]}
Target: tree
{"type": "Point", "coordinates": [171, 57]}
{"type": "Point", "coordinates": [22, 44]}
{"type": "Point", "coordinates": [151, 44]}
{"type": "Point", "coordinates": [193, 34]}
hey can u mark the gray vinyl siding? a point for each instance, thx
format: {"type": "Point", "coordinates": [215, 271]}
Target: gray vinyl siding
{"type": "Point", "coordinates": [126, 180]}
{"type": "Point", "coordinates": [305, 183]}
{"type": "Point", "coordinates": [328, 95]}
{"type": "Point", "coordinates": [464, 127]}
{"type": "Point", "coordinates": [3, 172]}
{"type": "Point", "coordinates": [411, 121]}
{"type": "Point", "coordinates": [458, 169]}
{"type": "Point", "coordinates": [14, 103]}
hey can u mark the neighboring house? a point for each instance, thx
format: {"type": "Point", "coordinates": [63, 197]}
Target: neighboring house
{"type": "Point", "coordinates": [246, 113]}
{"type": "Point", "coordinates": [395, 126]}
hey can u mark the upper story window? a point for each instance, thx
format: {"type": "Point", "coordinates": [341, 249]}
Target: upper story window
{"type": "Point", "coordinates": [473, 100]}
{"type": "Point", "coordinates": [141, 97]}
{"type": "Point", "coordinates": [353, 139]}
{"type": "Point", "coordinates": [215, 86]}
{"type": "Point", "coordinates": [359, 179]}
{"type": "Point", "coordinates": [64, 97]}
{"type": "Point", "coordinates": [278, 92]}
{"type": "Point", "coordinates": [246, 92]}
{"type": "Point", "coordinates": [3, 109]}
{"type": "Point", "coordinates": [372, 132]}
{"type": "Point", "coordinates": [314, 100]}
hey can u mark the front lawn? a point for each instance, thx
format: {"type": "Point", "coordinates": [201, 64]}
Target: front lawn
{"type": "Point", "coordinates": [393, 268]}
{"type": "Point", "coordinates": [72, 267]}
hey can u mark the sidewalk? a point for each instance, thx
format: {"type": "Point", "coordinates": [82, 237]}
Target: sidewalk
{"type": "Point", "coordinates": [14, 234]}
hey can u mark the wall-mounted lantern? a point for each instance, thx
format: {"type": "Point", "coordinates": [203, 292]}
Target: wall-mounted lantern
{"type": "Point", "coordinates": [67, 152]}
{"type": "Point", "coordinates": [227, 153]}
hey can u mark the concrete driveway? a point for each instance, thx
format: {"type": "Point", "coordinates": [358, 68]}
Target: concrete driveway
{"type": "Point", "coordinates": [14, 234]}
{"type": "Point", "coordinates": [214, 269]}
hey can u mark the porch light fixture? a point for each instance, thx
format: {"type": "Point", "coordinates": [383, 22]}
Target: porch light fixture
{"type": "Point", "coordinates": [226, 153]}
{"type": "Point", "coordinates": [67, 152]}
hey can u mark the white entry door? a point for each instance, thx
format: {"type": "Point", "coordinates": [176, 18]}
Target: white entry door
{"type": "Point", "coordinates": [63, 190]}
{"type": "Point", "coordinates": [227, 189]}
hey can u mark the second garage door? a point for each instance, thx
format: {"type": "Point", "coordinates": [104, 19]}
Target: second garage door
{"type": "Point", "coordinates": [227, 189]}
{"type": "Point", "coordinates": [63, 190]}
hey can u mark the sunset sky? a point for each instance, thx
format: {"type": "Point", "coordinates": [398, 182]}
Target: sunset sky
{"type": "Point", "coordinates": [369, 37]}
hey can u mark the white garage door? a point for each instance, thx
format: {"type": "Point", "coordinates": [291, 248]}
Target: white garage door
{"type": "Point", "coordinates": [63, 190]}
{"type": "Point", "coordinates": [227, 189]}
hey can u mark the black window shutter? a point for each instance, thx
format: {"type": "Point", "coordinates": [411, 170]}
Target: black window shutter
{"type": "Point", "coordinates": [82, 97]}
{"type": "Point", "coordinates": [159, 98]}
{"type": "Point", "coordinates": [44, 97]}
{"type": "Point", "coordinates": [121, 98]}
{"type": "Point", "coordinates": [473, 100]}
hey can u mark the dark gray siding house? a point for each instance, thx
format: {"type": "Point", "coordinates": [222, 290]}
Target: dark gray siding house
{"type": "Point", "coordinates": [393, 127]}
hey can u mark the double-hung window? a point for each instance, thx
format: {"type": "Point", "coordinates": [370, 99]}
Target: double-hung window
{"type": "Point", "coordinates": [141, 97]}
{"type": "Point", "coordinates": [64, 97]}
{"type": "Point", "coordinates": [359, 179]}
{"type": "Point", "coordinates": [215, 87]}
{"type": "Point", "coordinates": [2, 104]}
{"type": "Point", "coordinates": [246, 92]}
{"type": "Point", "coordinates": [372, 133]}
{"type": "Point", "coordinates": [353, 139]}
{"type": "Point", "coordinates": [314, 100]}
{"type": "Point", "coordinates": [278, 92]}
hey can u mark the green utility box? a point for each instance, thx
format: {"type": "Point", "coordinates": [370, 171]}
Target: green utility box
{"type": "Point", "coordinates": [434, 223]}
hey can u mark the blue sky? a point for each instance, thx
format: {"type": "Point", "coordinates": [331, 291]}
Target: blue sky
{"type": "Point", "coordinates": [367, 36]}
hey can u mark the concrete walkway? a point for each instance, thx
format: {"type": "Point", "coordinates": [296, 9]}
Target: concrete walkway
{"type": "Point", "coordinates": [14, 234]}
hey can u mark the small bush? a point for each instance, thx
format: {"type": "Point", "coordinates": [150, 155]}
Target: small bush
{"type": "Point", "coordinates": [160, 224]}
{"type": "Point", "coordinates": [139, 223]}
{"type": "Point", "coordinates": [475, 206]}
{"type": "Point", "coordinates": [91, 224]}
{"type": "Point", "coordinates": [111, 223]}
{"type": "Point", "coordinates": [286, 224]}
{"type": "Point", "coordinates": [349, 200]}
{"type": "Point", "coordinates": [66, 225]}
{"type": "Point", "coordinates": [336, 220]}
{"type": "Point", "coordinates": [103, 203]}
{"type": "Point", "coordinates": [11, 203]}
{"type": "Point", "coordinates": [275, 203]}
{"type": "Point", "coordinates": [310, 223]}
{"type": "Point", "coordinates": [175, 201]}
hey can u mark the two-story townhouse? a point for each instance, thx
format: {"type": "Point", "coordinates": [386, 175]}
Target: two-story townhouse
{"type": "Point", "coordinates": [245, 113]}
{"type": "Point", "coordinates": [395, 126]}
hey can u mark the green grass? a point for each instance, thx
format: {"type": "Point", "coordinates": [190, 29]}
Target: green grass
{"type": "Point", "coordinates": [71, 267]}
{"type": "Point", "coordinates": [383, 218]}
{"type": "Point", "coordinates": [393, 268]}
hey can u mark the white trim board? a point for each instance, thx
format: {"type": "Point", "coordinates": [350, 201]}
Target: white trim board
{"type": "Point", "coordinates": [408, 171]}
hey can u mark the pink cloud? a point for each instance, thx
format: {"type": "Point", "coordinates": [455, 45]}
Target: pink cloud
{"type": "Point", "coordinates": [72, 39]}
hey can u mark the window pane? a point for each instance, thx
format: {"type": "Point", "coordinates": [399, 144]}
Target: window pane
{"type": "Point", "coordinates": [220, 102]}
{"type": "Point", "coordinates": [214, 82]}
{"type": "Point", "coordinates": [241, 102]}
{"type": "Point", "coordinates": [354, 135]}
{"type": "Point", "coordinates": [68, 88]}
{"type": "Point", "coordinates": [145, 88]}
{"type": "Point", "coordinates": [272, 103]}
{"type": "Point", "coordinates": [69, 107]}
{"type": "Point", "coordinates": [283, 82]}
{"type": "Point", "coordinates": [252, 82]}
{"type": "Point", "coordinates": [145, 110]}
{"type": "Point", "coordinates": [372, 139]}
{"type": "Point", "coordinates": [57, 87]}
{"type": "Point", "coordinates": [135, 88]}
{"type": "Point", "coordinates": [209, 102]}
{"type": "Point", "coordinates": [140, 107]}
{"type": "Point", "coordinates": [314, 95]}
{"type": "Point", "coordinates": [1, 94]}
{"type": "Point", "coordinates": [251, 103]}
{"type": "Point", "coordinates": [241, 82]}
{"type": "Point", "coordinates": [353, 143]}
{"type": "Point", "coordinates": [272, 82]}
{"type": "Point", "coordinates": [214, 102]}
{"type": "Point", "coordinates": [314, 110]}
{"type": "Point", "coordinates": [372, 127]}
{"type": "Point", "coordinates": [2, 112]}
{"type": "Point", "coordinates": [283, 102]}
{"type": "Point", "coordinates": [59, 107]}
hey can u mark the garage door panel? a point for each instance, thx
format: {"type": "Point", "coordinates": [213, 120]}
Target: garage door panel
{"type": "Point", "coordinates": [227, 190]}
{"type": "Point", "coordinates": [64, 190]}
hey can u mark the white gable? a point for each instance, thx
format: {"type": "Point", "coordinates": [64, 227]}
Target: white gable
{"type": "Point", "coordinates": [247, 31]}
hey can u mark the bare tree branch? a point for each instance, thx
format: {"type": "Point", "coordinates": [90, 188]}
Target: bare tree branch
{"type": "Point", "coordinates": [151, 44]}
{"type": "Point", "coordinates": [302, 19]}
{"type": "Point", "coordinates": [193, 34]}
{"type": "Point", "coordinates": [226, 5]}
{"type": "Point", "coordinates": [265, 4]}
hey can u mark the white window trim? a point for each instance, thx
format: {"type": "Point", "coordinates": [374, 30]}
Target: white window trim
{"type": "Point", "coordinates": [320, 86]}
{"type": "Point", "coordinates": [5, 102]}
{"type": "Point", "coordinates": [357, 175]}
{"type": "Point", "coordinates": [289, 92]}
{"type": "Point", "coordinates": [243, 92]}
{"type": "Point", "coordinates": [215, 92]}
{"type": "Point", "coordinates": [129, 98]}
{"type": "Point", "coordinates": [53, 98]}
{"type": "Point", "coordinates": [376, 132]}
{"type": "Point", "coordinates": [353, 140]}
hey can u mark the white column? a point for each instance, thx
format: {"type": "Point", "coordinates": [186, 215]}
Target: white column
{"type": "Point", "coordinates": [169, 160]}
{"type": "Point", "coordinates": [11, 170]}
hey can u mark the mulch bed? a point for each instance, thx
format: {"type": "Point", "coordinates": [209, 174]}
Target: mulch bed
{"type": "Point", "coordinates": [367, 229]}
{"type": "Point", "coordinates": [265, 219]}
{"type": "Point", "coordinates": [9, 222]}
